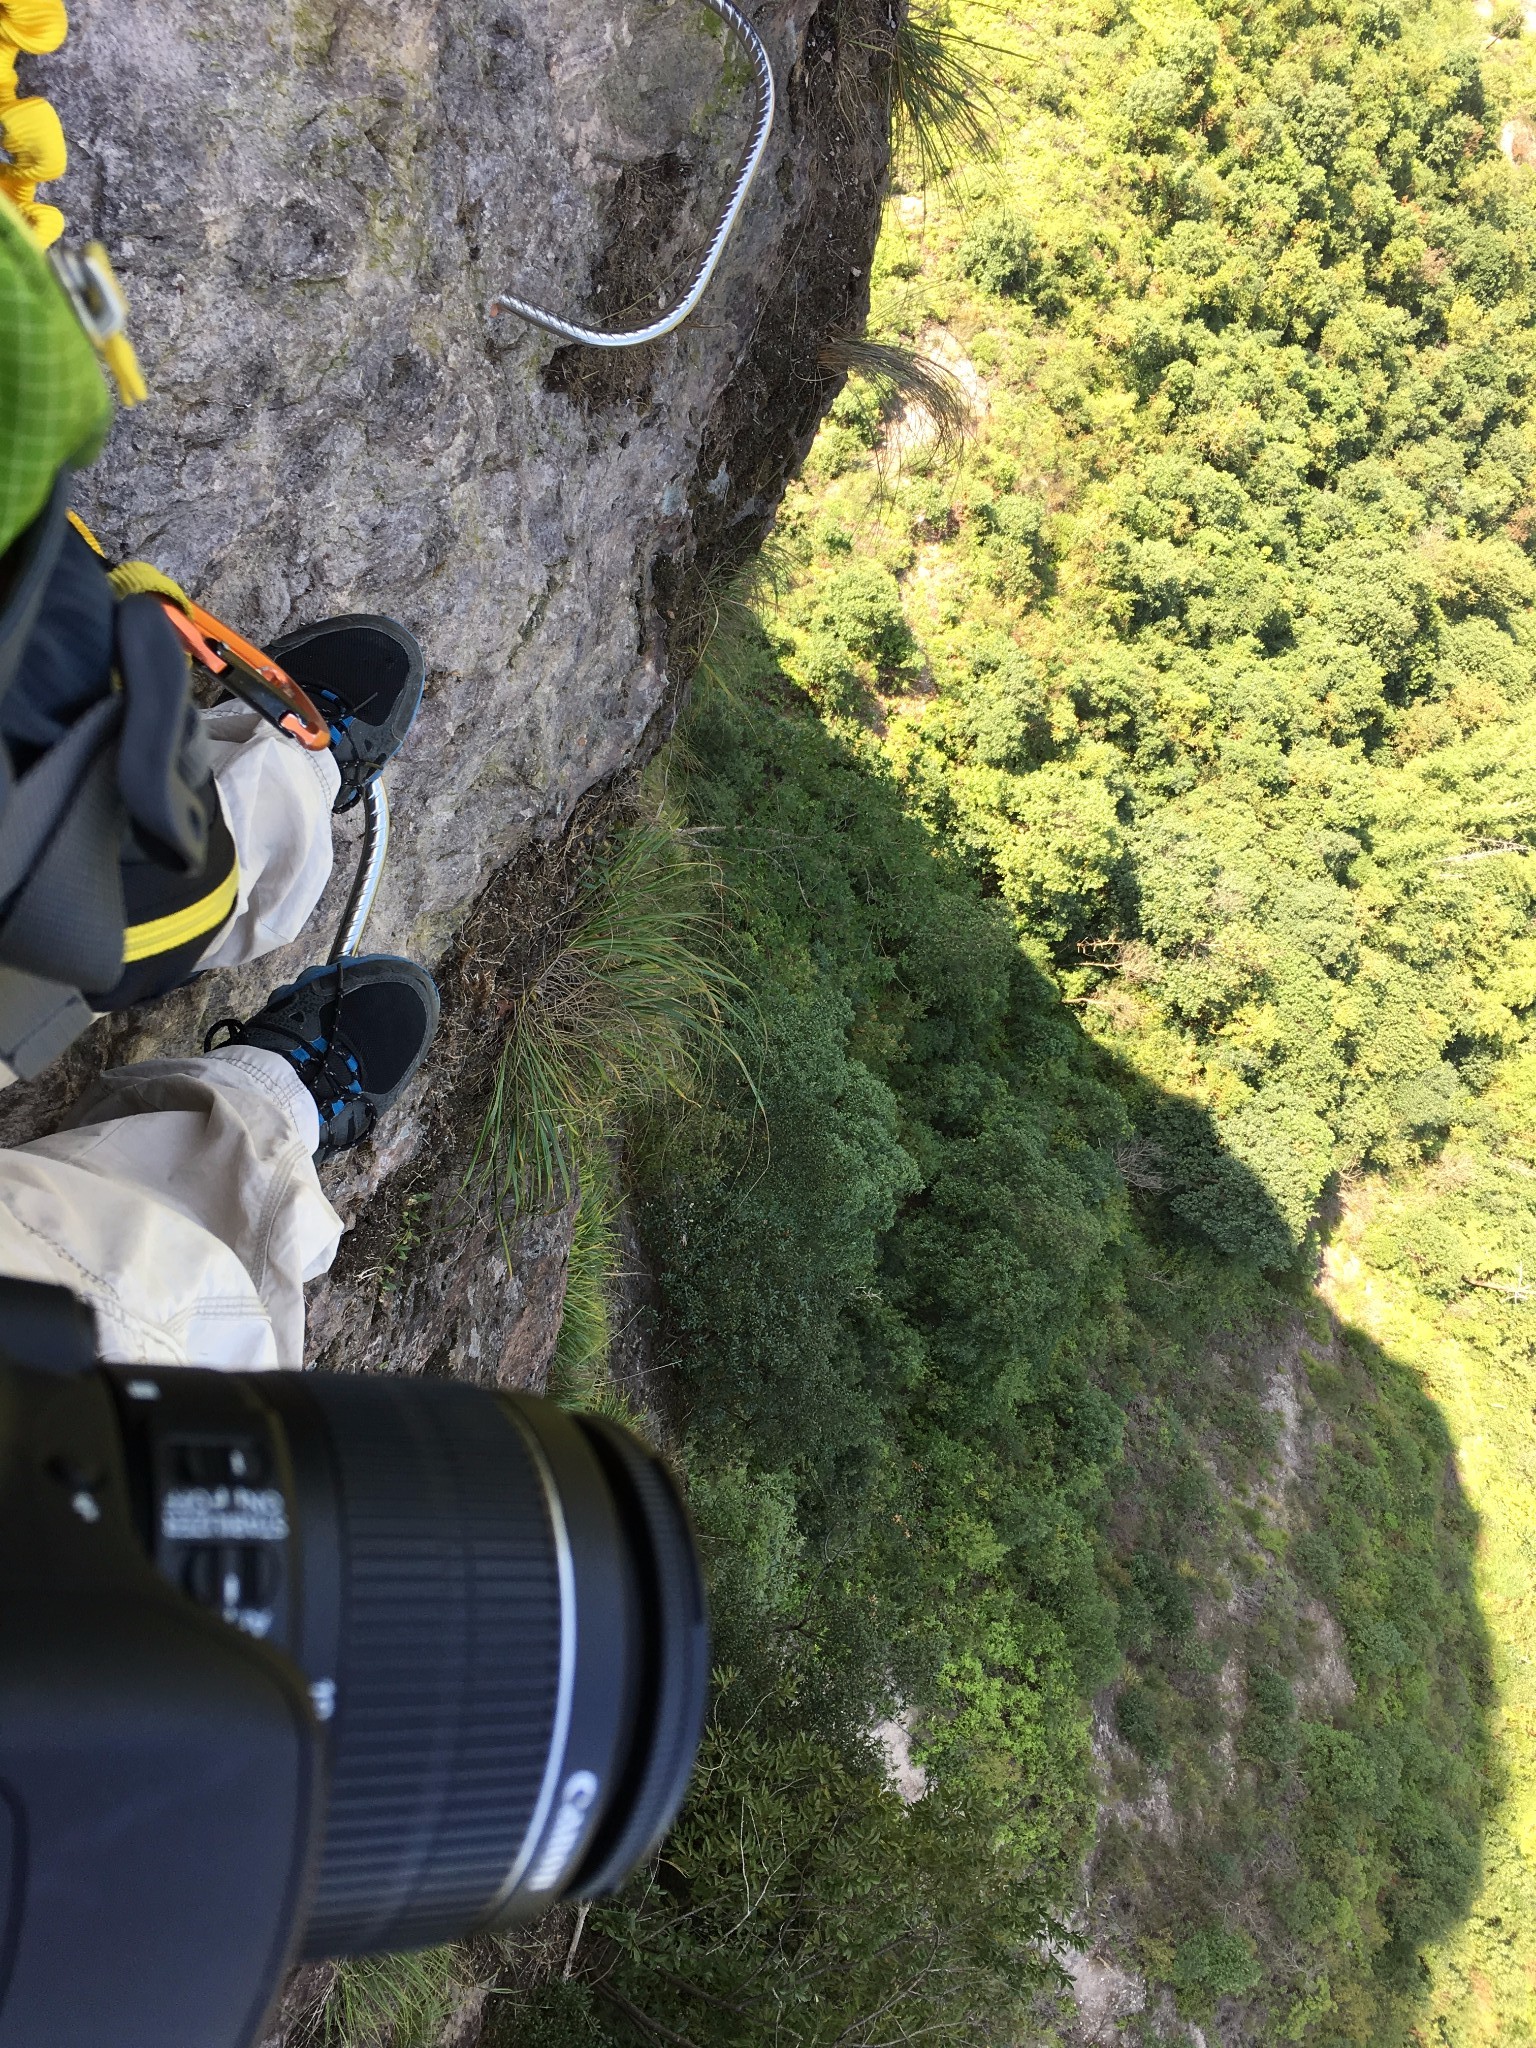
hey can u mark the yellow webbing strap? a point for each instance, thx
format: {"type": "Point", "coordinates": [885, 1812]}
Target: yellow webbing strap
{"type": "Point", "coordinates": [32, 137]}
{"type": "Point", "coordinates": [117, 352]}
{"type": "Point", "coordinates": [165, 934]}
{"type": "Point", "coordinates": [132, 579]}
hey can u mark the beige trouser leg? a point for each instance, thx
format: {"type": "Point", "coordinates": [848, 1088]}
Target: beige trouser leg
{"type": "Point", "coordinates": [183, 1205]}
{"type": "Point", "coordinates": [277, 799]}
{"type": "Point", "coordinates": [182, 1201]}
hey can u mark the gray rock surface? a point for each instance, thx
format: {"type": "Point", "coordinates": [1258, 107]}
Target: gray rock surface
{"type": "Point", "coordinates": [310, 205]}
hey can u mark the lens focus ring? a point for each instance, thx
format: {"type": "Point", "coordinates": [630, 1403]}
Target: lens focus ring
{"type": "Point", "coordinates": [448, 1660]}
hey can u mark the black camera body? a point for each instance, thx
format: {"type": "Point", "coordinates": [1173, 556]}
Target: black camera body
{"type": "Point", "coordinates": [160, 1771]}
{"type": "Point", "coordinates": [294, 1664]}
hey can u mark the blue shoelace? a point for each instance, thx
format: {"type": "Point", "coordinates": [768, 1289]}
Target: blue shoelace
{"type": "Point", "coordinates": [328, 1070]}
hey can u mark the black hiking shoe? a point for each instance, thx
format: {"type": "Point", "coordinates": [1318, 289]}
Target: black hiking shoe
{"type": "Point", "coordinates": [365, 676]}
{"type": "Point", "coordinates": [354, 1032]}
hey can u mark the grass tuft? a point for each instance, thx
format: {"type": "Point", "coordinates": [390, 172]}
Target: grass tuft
{"type": "Point", "coordinates": [400, 2001]}
{"type": "Point", "coordinates": [902, 379]}
{"type": "Point", "coordinates": [633, 1003]}
{"type": "Point", "coordinates": [942, 109]}
{"type": "Point", "coordinates": [577, 1370]}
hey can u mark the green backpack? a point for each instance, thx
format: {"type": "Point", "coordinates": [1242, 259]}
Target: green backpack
{"type": "Point", "coordinates": [55, 407]}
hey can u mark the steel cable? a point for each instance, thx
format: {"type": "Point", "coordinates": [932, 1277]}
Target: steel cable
{"type": "Point", "coordinates": [370, 871]}
{"type": "Point", "coordinates": [594, 337]}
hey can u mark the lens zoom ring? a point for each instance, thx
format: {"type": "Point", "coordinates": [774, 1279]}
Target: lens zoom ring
{"type": "Point", "coordinates": [448, 1665]}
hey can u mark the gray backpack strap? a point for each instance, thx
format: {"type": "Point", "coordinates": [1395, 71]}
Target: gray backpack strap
{"type": "Point", "coordinates": [38, 1019]}
{"type": "Point", "coordinates": [60, 834]}
{"type": "Point", "coordinates": [60, 821]}
{"type": "Point", "coordinates": [39, 799]}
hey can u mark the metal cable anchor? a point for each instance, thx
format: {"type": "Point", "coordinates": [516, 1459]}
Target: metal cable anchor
{"type": "Point", "coordinates": [594, 337]}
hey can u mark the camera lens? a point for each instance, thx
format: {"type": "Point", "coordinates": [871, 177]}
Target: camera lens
{"type": "Point", "coordinates": [521, 1657]}
{"type": "Point", "coordinates": [497, 1607]}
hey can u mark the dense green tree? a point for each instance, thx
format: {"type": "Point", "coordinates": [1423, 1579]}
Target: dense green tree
{"type": "Point", "coordinates": [1125, 842]}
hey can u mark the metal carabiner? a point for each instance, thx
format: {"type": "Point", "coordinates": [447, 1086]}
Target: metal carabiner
{"type": "Point", "coordinates": [594, 337]}
{"type": "Point", "coordinates": [253, 676]}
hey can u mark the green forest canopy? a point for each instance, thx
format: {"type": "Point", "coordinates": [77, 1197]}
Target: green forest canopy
{"type": "Point", "coordinates": [1127, 841]}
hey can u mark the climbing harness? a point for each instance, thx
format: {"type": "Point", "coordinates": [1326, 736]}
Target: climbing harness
{"type": "Point", "coordinates": [594, 337]}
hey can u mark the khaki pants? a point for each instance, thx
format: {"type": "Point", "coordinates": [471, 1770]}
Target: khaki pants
{"type": "Point", "coordinates": [182, 1201]}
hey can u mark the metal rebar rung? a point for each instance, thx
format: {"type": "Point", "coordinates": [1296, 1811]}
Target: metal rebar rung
{"type": "Point", "coordinates": [595, 337]}
{"type": "Point", "coordinates": [370, 868]}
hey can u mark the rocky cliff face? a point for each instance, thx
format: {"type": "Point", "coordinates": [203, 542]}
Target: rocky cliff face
{"type": "Point", "coordinates": [310, 205]}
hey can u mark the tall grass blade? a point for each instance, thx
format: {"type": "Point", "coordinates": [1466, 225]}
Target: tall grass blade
{"type": "Point", "coordinates": [942, 109]}
{"type": "Point", "coordinates": [392, 2001]}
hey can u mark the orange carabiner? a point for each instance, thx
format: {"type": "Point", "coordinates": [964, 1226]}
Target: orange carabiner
{"type": "Point", "coordinates": [252, 675]}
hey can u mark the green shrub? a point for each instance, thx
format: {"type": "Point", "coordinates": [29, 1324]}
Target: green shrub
{"type": "Point", "coordinates": [1269, 1726]}
{"type": "Point", "coordinates": [998, 252]}
{"type": "Point", "coordinates": [1317, 1562]}
{"type": "Point", "coordinates": [1155, 105]}
{"type": "Point", "coordinates": [1322, 121]}
{"type": "Point", "coordinates": [1006, 709]}
{"type": "Point", "coordinates": [831, 674]}
{"type": "Point", "coordinates": [857, 408]}
{"type": "Point", "coordinates": [1164, 1594]}
{"type": "Point", "coordinates": [861, 1907]}
{"type": "Point", "coordinates": [1214, 1963]}
{"type": "Point", "coordinates": [1139, 1722]}
{"type": "Point", "coordinates": [859, 610]}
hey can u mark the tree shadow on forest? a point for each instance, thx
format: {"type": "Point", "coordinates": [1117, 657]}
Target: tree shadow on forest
{"type": "Point", "coordinates": [1307, 1675]}
{"type": "Point", "coordinates": [1308, 1671]}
